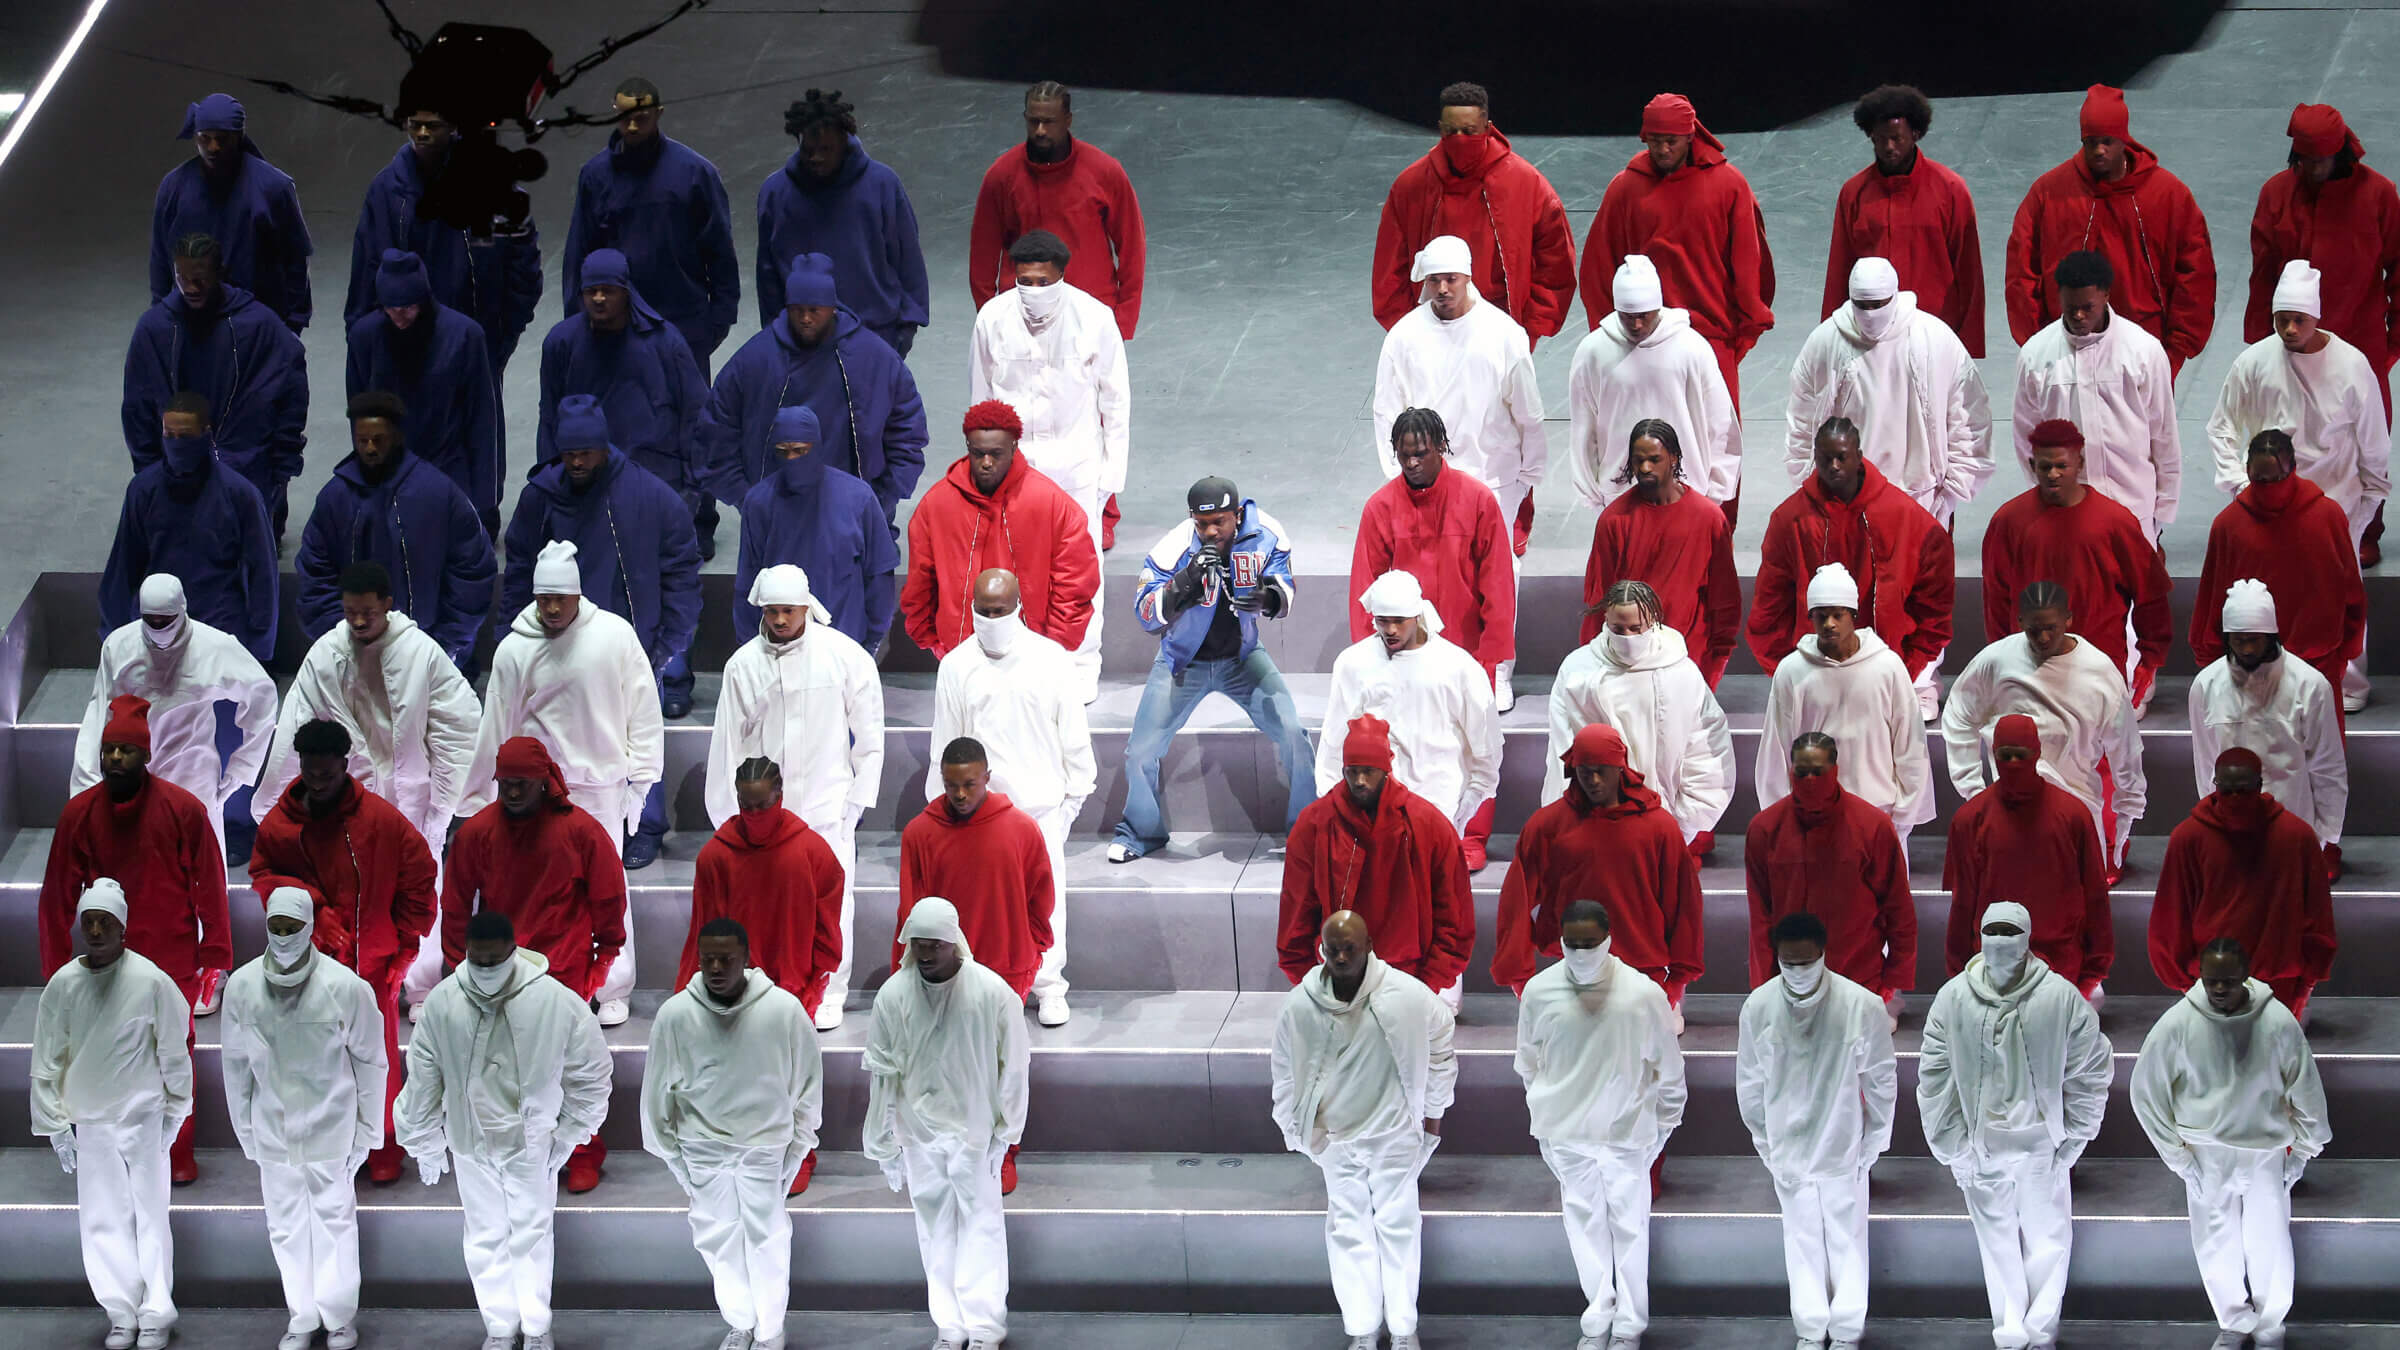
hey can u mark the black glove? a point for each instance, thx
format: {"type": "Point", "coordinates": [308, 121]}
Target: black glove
{"type": "Point", "coordinates": [1265, 599]}
{"type": "Point", "coordinates": [1185, 588]}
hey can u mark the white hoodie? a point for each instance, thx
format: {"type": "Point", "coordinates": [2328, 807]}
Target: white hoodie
{"type": "Point", "coordinates": [1384, 1057]}
{"type": "Point", "coordinates": [1601, 1068]}
{"type": "Point", "coordinates": [2210, 1087]}
{"type": "Point", "coordinates": [815, 707]}
{"type": "Point", "coordinates": [2080, 706]}
{"type": "Point", "coordinates": [2286, 714]}
{"type": "Point", "coordinates": [1445, 728]}
{"type": "Point", "coordinates": [588, 695]}
{"type": "Point", "coordinates": [1676, 736]}
{"type": "Point", "coordinates": [184, 683]}
{"type": "Point", "coordinates": [1815, 1079]}
{"type": "Point", "coordinates": [749, 1076]}
{"type": "Point", "coordinates": [2118, 390]}
{"type": "Point", "coordinates": [1067, 382]}
{"type": "Point", "coordinates": [304, 1069]}
{"type": "Point", "coordinates": [433, 721]}
{"type": "Point", "coordinates": [1672, 376]}
{"type": "Point", "coordinates": [1027, 711]}
{"type": "Point", "coordinates": [1477, 372]}
{"type": "Point", "coordinates": [944, 1062]}
{"type": "Point", "coordinates": [108, 1047]}
{"type": "Point", "coordinates": [1868, 705]}
{"type": "Point", "coordinates": [2031, 1053]}
{"type": "Point", "coordinates": [1924, 420]}
{"type": "Point", "coordinates": [513, 1073]}
{"type": "Point", "coordinates": [2330, 401]}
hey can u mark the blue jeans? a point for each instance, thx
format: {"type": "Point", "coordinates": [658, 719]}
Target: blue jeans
{"type": "Point", "coordinates": [1167, 703]}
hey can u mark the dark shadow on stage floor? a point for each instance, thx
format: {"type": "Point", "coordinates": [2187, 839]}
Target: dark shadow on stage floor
{"type": "Point", "coordinates": [1558, 68]}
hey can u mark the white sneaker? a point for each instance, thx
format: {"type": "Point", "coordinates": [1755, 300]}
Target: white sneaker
{"type": "Point", "coordinates": [1505, 697]}
{"type": "Point", "coordinates": [119, 1338]}
{"type": "Point", "coordinates": [544, 1341]}
{"type": "Point", "coordinates": [1841, 1345]}
{"type": "Point", "coordinates": [829, 1015]}
{"type": "Point", "coordinates": [297, 1340]}
{"type": "Point", "coordinates": [986, 1343]}
{"type": "Point", "coordinates": [1366, 1342]}
{"type": "Point", "coordinates": [1051, 1010]}
{"type": "Point", "coordinates": [151, 1338]}
{"type": "Point", "coordinates": [945, 1343]}
{"type": "Point", "coordinates": [735, 1340]}
{"type": "Point", "coordinates": [2352, 703]}
{"type": "Point", "coordinates": [342, 1338]}
{"type": "Point", "coordinates": [500, 1343]}
{"type": "Point", "coordinates": [1120, 852]}
{"type": "Point", "coordinates": [1400, 1342]}
{"type": "Point", "coordinates": [613, 1013]}
{"type": "Point", "coordinates": [1625, 1343]}
{"type": "Point", "coordinates": [1588, 1343]}
{"type": "Point", "coordinates": [1808, 1344]}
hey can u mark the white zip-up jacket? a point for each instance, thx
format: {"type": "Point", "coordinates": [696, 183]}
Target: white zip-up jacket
{"type": "Point", "coordinates": [1815, 1079]}
{"type": "Point", "coordinates": [2118, 390]}
{"type": "Point", "coordinates": [1477, 372]}
{"type": "Point", "coordinates": [815, 707]}
{"type": "Point", "coordinates": [1025, 709]}
{"type": "Point", "coordinates": [184, 684]}
{"type": "Point", "coordinates": [1868, 705]}
{"type": "Point", "coordinates": [1445, 728]}
{"type": "Point", "coordinates": [1672, 376]}
{"type": "Point", "coordinates": [304, 1067]}
{"type": "Point", "coordinates": [495, 1077]}
{"type": "Point", "coordinates": [2286, 714]}
{"type": "Point", "coordinates": [1415, 1029]}
{"type": "Point", "coordinates": [1924, 419]}
{"type": "Point", "coordinates": [749, 1076]}
{"type": "Point", "coordinates": [588, 695]}
{"type": "Point", "coordinates": [435, 718]}
{"type": "Point", "coordinates": [1601, 1068]}
{"type": "Point", "coordinates": [1676, 735]}
{"type": "Point", "coordinates": [1068, 384]}
{"type": "Point", "coordinates": [2210, 1087]}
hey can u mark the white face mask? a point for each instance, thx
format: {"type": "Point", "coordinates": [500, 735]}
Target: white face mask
{"type": "Point", "coordinates": [490, 980]}
{"type": "Point", "coordinates": [1803, 980]}
{"type": "Point", "coordinates": [163, 637]}
{"type": "Point", "coordinates": [1041, 302]}
{"type": "Point", "coordinates": [997, 636]}
{"type": "Point", "coordinates": [2004, 957]}
{"type": "Point", "coordinates": [287, 957]}
{"type": "Point", "coordinates": [1584, 964]}
{"type": "Point", "coordinates": [1629, 647]}
{"type": "Point", "coordinates": [1879, 324]}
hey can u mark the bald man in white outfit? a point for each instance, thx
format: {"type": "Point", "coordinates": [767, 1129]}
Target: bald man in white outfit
{"type": "Point", "coordinates": [1641, 361]}
{"type": "Point", "coordinates": [806, 696]}
{"type": "Point", "coordinates": [575, 677]}
{"type": "Point", "coordinates": [1846, 682]}
{"type": "Point", "coordinates": [1014, 690]}
{"type": "Point", "coordinates": [2257, 698]}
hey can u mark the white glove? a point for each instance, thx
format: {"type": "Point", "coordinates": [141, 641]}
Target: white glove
{"type": "Point", "coordinates": [2069, 1152]}
{"type": "Point", "coordinates": [172, 1127]}
{"type": "Point", "coordinates": [429, 1170]}
{"type": "Point", "coordinates": [793, 1156]}
{"type": "Point", "coordinates": [560, 1151]}
{"type": "Point", "coordinates": [358, 1157]}
{"type": "Point", "coordinates": [63, 1144]}
{"type": "Point", "coordinates": [892, 1175]}
{"type": "Point", "coordinates": [2293, 1166]}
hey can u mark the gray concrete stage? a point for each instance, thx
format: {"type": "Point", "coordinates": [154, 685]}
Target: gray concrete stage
{"type": "Point", "coordinates": [1256, 351]}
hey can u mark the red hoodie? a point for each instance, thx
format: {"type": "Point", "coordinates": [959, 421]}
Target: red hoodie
{"type": "Point", "coordinates": [554, 873]}
{"type": "Point", "coordinates": [1452, 538]}
{"type": "Point", "coordinates": [368, 869]}
{"type": "Point", "coordinates": [1084, 199]}
{"type": "Point", "coordinates": [1846, 869]}
{"type": "Point", "coordinates": [1399, 869]}
{"type": "Point", "coordinates": [2146, 224]}
{"type": "Point", "coordinates": [2302, 552]}
{"type": "Point", "coordinates": [1029, 527]}
{"type": "Point", "coordinates": [1685, 552]}
{"type": "Point", "coordinates": [2349, 230]}
{"type": "Point", "coordinates": [1505, 207]}
{"type": "Point", "coordinates": [1629, 857]}
{"type": "Point", "coordinates": [2097, 550]}
{"type": "Point", "coordinates": [995, 867]}
{"type": "Point", "coordinates": [159, 847]}
{"type": "Point", "coordinates": [2253, 873]}
{"type": "Point", "coordinates": [1701, 227]}
{"type": "Point", "coordinates": [1923, 223]}
{"type": "Point", "coordinates": [780, 881]}
{"type": "Point", "coordinates": [1898, 553]}
{"type": "Point", "coordinates": [2044, 855]}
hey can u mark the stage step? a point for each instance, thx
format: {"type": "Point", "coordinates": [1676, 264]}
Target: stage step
{"type": "Point", "coordinates": [1151, 1232]}
{"type": "Point", "coordinates": [1190, 1072]}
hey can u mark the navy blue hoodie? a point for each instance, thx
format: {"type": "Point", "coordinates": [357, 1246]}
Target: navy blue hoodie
{"type": "Point", "coordinates": [861, 218]}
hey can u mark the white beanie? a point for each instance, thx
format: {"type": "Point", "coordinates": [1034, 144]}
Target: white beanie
{"type": "Point", "coordinates": [2006, 911]}
{"type": "Point", "coordinates": [2249, 606]}
{"type": "Point", "coordinates": [291, 902]}
{"type": "Point", "coordinates": [1636, 289]}
{"type": "Point", "coordinates": [555, 571]}
{"type": "Point", "coordinates": [1396, 595]}
{"type": "Point", "coordinates": [1833, 588]}
{"type": "Point", "coordinates": [786, 584]}
{"type": "Point", "coordinates": [1873, 279]}
{"type": "Point", "coordinates": [2296, 289]}
{"type": "Point", "coordinates": [162, 593]}
{"type": "Point", "coordinates": [104, 895]}
{"type": "Point", "coordinates": [1447, 253]}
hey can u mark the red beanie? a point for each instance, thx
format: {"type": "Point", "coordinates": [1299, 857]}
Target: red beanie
{"type": "Point", "coordinates": [2105, 114]}
{"type": "Point", "coordinates": [2317, 130]}
{"type": "Point", "coordinates": [128, 722]}
{"type": "Point", "coordinates": [1369, 744]}
{"type": "Point", "coordinates": [1670, 115]}
{"type": "Point", "coordinates": [993, 415]}
{"type": "Point", "coordinates": [2057, 431]}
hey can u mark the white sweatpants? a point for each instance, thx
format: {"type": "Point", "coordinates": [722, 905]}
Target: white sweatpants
{"type": "Point", "coordinates": [1373, 1229]}
{"type": "Point", "coordinates": [2242, 1236]}
{"type": "Point", "coordinates": [962, 1234]}
{"type": "Point", "coordinates": [1606, 1201]}
{"type": "Point", "coordinates": [2354, 676]}
{"type": "Point", "coordinates": [843, 841]}
{"type": "Point", "coordinates": [2024, 1214]}
{"type": "Point", "coordinates": [121, 1209]}
{"type": "Point", "coordinates": [510, 1206]}
{"type": "Point", "coordinates": [618, 809]}
{"type": "Point", "coordinates": [742, 1230]}
{"type": "Point", "coordinates": [1825, 1255]}
{"type": "Point", "coordinates": [1051, 978]}
{"type": "Point", "coordinates": [312, 1227]}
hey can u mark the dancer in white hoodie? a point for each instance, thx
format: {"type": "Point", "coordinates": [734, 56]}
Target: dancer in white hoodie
{"type": "Point", "coordinates": [2257, 698]}
{"type": "Point", "coordinates": [507, 1073]}
{"type": "Point", "coordinates": [946, 1097]}
{"type": "Point", "coordinates": [1363, 1071]}
{"type": "Point", "coordinates": [1604, 1087]}
{"type": "Point", "coordinates": [1445, 730]}
{"type": "Point", "coordinates": [1639, 677]}
{"type": "Point", "coordinates": [2011, 1085]}
{"type": "Point", "coordinates": [1846, 683]}
{"type": "Point", "coordinates": [732, 1095]}
{"type": "Point", "coordinates": [304, 1084]}
{"type": "Point", "coordinates": [1644, 361]}
{"type": "Point", "coordinates": [2228, 1093]}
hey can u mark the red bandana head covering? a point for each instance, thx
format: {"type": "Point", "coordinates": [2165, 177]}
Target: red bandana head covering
{"type": "Point", "coordinates": [524, 757]}
{"type": "Point", "coordinates": [2317, 130]}
{"type": "Point", "coordinates": [2057, 431]}
{"type": "Point", "coordinates": [1670, 115]}
{"type": "Point", "coordinates": [128, 722]}
{"type": "Point", "coordinates": [993, 415]}
{"type": "Point", "coordinates": [1369, 744]}
{"type": "Point", "coordinates": [1596, 745]}
{"type": "Point", "coordinates": [2105, 114]}
{"type": "Point", "coordinates": [2019, 782]}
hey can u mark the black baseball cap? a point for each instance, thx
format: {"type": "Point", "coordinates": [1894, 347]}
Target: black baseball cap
{"type": "Point", "coordinates": [1213, 494]}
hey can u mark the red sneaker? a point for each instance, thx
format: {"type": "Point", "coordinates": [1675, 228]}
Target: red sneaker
{"type": "Point", "coordinates": [808, 1169]}
{"type": "Point", "coordinates": [1109, 516]}
{"type": "Point", "coordinates": [182, 1168]}
{"type": "Point", "coordinates": [2333, 862]}
{"type": "Point", "coordinates": [1703, 844]}
{"type": "Point", "coordinates": [383, 1164]}
{"type": "Point", "coordinates": [1008, 1172]}
{"type": "Point", "coordinates": [581, 1177]}
{"type": "Point", "coordinates": [1473, 848]}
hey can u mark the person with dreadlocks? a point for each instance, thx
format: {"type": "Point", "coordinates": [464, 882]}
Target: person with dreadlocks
{"type": "Point", "coordinates": [1913, 210]}
{"type": "Point", "coordinates": [1669, 538]}
{"type": "Point", "coordinates": [1448, 530]}
{"type": "Point", "coordinates": [663, 207]}
{"type": "Point", "coordinates": [1071, 188]}
{"type": "Point", "coordinates": [767, 870]}
{"type": "Point", "coordinates": [831, 197]}
{"type": "Point", "coordinates": [228, 191]}
{"type": "Point", "coordinates": [1638, 677]}
{"type": "Point", "coordinates": [1643, 362]}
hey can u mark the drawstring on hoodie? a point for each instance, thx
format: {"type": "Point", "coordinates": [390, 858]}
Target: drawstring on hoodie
{"type": "Point", "coordinates": [2141, 237]}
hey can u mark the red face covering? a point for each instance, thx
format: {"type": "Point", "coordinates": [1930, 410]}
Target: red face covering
{"type": "Point", "coordinates": [2244, 812]}
{"type": "Point", "coordinates": [1465, 154]}
{"type": "Point", "coordinates": [2019, 782]}
{"type": "Point", "coordinates": [1813, 797]}
{"type": "Point", "coordinates": [2277, 495]}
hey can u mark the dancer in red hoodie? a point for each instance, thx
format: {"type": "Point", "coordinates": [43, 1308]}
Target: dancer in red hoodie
{"type": "Point", "coordinates": [2244, 868]}
{"type": "Point", "coordinates": [2029, 840]}
{"type": "Point", "coordinates": [766, 870]}
{"type": "Point", "coordinates": [992, 509]}
{"type": "Point", "coordinates": [2113, 199]}
{"type": "Point", "coordinates": [1072, 189]}
{"type": "Point", "coordinates": [2344, 219]}
{"type": "Point", "coordinates": [2283, 530]}
{"type": "Point", "coordinates": [1827, 852]}
{"type": "Point", "coordinates": [972, 847]}
{"type": "Point", "coordinates": [1383, 852]}
{"type": "Point", "coordinates": [1680, 204]}
{"type": "Point", "coordinates": [371, 876]}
